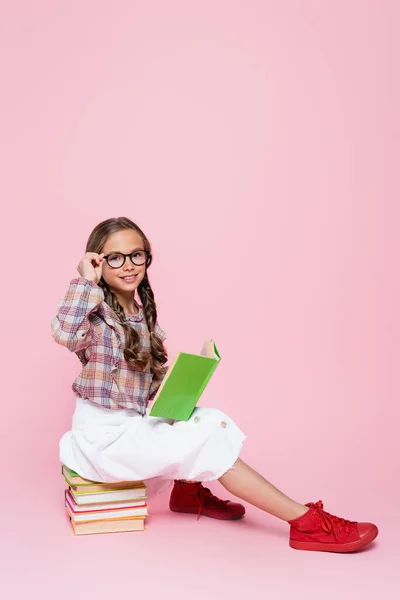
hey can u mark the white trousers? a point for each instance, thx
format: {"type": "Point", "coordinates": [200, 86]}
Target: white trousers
{"type": "Point", "coordinates": [120, 445]}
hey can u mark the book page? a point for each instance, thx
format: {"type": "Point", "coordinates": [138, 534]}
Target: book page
{"type": "Point", "coordinates": [209, 350]}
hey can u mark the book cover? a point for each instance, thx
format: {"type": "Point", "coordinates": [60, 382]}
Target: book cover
{"type": "Point", "coordinates": [184, 383]}
{"type": "Point", "coordinates": [104, 487]}
{"type": "Point", "coordinates": [109, 526]}
{"type": "Point", "coordinates": [74, 478]}
{"type": "Point", "coordinates": [77, 482]}
{"type": "Point", "coordinates": [108, 496]}
{"type": "Point", "coordinates": [100, 506]}
{"type": "Point", "coordinates": [103, 515]}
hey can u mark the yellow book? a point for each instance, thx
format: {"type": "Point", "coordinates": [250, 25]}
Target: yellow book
{"type": "Point", "coordinates": [109, 526]}
{"type": "Point", "coordinates": [108, 495]}
{"type": "Point", "coordinates": [86, 486]}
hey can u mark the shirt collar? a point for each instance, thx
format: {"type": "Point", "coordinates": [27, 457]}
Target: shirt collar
{"type": "Point", "coordinates": [111, 317]}
{"type": "Point", "coordinates": [136, 318]}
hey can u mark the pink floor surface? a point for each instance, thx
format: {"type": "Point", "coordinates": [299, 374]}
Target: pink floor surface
{"type": "Point", "coordinates": [179, 557]}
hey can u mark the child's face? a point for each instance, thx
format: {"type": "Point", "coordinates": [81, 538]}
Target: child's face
{"type": "Point", "coordinates": [125, 242]}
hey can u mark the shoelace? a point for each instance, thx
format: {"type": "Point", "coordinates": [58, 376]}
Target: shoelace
{"type": "Point", "coordinates": [331, 522]}
{"type": "Point", "coordinates": [203, 493]}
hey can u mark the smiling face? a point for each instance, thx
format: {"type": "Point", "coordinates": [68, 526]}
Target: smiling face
{"type": "Point", "coordinates": [123, 281]}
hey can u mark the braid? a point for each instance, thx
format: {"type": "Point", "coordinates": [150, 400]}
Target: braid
{"type": "Point", "coordinates": [147, 297]}
{"type": "Point", "coordinates": [135, 358]}
{"type": "Point", "coordinates": [158, 353]}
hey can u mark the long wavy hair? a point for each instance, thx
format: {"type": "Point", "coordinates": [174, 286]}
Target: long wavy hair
{"type": "Point", "coordinates": [135, 358]}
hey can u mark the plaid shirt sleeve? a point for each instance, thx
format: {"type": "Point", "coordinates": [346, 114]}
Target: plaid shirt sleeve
{"type": "Point", "coordinates": [71, 326]}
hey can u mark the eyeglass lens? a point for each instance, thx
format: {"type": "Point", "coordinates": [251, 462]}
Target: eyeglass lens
{"type": "Point", "coordinates": [117, 260]}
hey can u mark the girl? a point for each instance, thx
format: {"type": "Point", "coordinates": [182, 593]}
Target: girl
{"type": "Point", "coordinates": [120, 345]}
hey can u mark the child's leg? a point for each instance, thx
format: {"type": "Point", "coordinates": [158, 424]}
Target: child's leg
{"type": "Point", "coordinates": [245, 483]}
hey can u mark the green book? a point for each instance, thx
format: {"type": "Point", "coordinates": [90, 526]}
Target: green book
{"type": "Point", "coordinates": [184, 383]}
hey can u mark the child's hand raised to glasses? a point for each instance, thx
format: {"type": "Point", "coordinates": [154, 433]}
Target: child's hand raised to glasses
{"type": "Point", "coordinates": [91, 266]}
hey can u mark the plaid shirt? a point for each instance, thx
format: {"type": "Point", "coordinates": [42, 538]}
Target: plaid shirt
{"type": "Point", "coordinates": [86, 325]}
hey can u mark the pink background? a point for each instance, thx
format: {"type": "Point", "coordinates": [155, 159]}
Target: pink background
{"type": "Point", "coordinates": [257, 144]}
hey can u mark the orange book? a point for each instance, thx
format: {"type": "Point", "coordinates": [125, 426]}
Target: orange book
{"type": "Point", "coordinates": [109, 526]}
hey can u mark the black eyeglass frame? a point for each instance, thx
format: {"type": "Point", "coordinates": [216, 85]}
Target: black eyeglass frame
{"type": "Point", "coordinates": [148, 258]}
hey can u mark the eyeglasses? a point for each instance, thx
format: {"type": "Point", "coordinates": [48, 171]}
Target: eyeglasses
{"type": "Point", "coordinates": [116, 260]}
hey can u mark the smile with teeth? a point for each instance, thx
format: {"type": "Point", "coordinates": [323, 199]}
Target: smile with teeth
{"type": "Point", "coordinates": [129, 278]}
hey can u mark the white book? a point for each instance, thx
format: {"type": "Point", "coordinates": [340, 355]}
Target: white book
{"type": "Point", "coordinates": [103, 505]}
{"type": "Point", "coordinates": [108, 496]}
{"type": "Point", "coordinates": [102, 515]}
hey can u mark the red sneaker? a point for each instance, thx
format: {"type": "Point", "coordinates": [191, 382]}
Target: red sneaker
{"type": "Point", "coordinates": [196, 499]}
{"type": "Point", "coordinates": [321, 531]}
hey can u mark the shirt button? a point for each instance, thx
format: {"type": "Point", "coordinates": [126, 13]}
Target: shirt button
{"type": "Point", "coordinates": [223, 424]}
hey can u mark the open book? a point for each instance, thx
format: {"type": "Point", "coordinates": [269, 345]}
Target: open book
{"type": "Point", "coordinates": [184, 382]}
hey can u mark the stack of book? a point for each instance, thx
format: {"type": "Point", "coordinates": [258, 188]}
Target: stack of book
{"type": "Point", "coordinates": [95, 507]}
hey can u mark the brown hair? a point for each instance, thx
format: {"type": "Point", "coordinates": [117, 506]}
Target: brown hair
{"type": "Point", "coordinates": [135, 358]}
